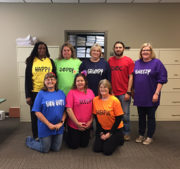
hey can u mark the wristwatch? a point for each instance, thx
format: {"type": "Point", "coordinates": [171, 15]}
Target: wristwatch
{"type": "Point", "coordinates": [129, 93]}
{"type": "Point", "coordinates": [62, 121]}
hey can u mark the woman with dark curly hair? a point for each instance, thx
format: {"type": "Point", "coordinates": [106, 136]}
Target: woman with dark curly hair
{"type": "Point", "coordinates": [37, 65]}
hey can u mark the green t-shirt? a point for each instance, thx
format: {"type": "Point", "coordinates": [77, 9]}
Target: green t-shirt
{"type": "Point", "coordinates": [66, 71]}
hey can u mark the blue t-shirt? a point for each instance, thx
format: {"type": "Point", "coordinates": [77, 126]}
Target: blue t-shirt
{"type": "Point", "coordinates": [51, 105]}
{"type": "Point", "coordinates": [146, 77]}
{"type": "Point", "coordinates": [96, 71]}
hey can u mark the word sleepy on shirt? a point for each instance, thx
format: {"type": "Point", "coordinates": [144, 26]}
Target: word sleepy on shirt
{"type": "Point", "coordinates": [53, 103]}
{"type": "Point", "coordinates": [42, 69]}
{"type": "Point", "coordinates": [95, 71]}
{"type": "Point", "coordinates": [142, 71]}
{"type": "Point", "coordinates": [103, 112]}
{"type": "Point", "coordinates": [85, 101]}
{"type": "Point", "coordinates": [67, 69]}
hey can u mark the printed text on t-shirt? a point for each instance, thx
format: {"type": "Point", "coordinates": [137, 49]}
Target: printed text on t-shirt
{"type": "Point", "coordinates": [103, 112]}
{"type": "Point", "coordinates": [85, 101]}
{"type": "Point", "coordinates": [41, 69]}
{"type": "Point", "coordinates": [95, 71]}
{"type": "Point", "coordinates": [55, 103]}
{"type": "Point", "coordinates": [143, 71]}
{"type": "Point", "coordinates": [116, 68]}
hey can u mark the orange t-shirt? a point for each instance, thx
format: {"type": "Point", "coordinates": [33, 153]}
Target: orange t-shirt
{"type": "Point", "coordinates": [106, 111]}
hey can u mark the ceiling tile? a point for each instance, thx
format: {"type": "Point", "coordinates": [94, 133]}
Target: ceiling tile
{"type": "Point", "coordinates": [146, 1]}
{"type": "Point", "coordinates": [170, 1]}
{"type": "Point", "coordinates": [38, 1]}
{"type": "Point", "coordinates": [11, 1]}
{"type": "Point", "coordinates": [65, 1]}
{"type": "Point", "coordinates": [119, 1]}
{"type": "Point", "coordinates": [92, 1]}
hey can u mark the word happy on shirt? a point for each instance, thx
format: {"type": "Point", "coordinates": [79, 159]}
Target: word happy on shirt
{"type": "Point", "coordinates": [42, 69]}
{"type": "Point", "coordinates": [55, 103]}
{"type": "Point", "coordinates": [142, 71]}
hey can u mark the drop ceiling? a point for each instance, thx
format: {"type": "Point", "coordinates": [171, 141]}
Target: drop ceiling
{"type": "Point", "coordinates": [90, 1]}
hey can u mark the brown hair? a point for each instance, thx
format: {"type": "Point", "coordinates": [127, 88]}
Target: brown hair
{"type": "Point", "coordinates": [107, 84]}
{"type": "Point", "coordinates": [49, 75]}
{"type": "Point", "coordinates": [84, 77]}
{"type": "Point", "coordinates": [67, 44]}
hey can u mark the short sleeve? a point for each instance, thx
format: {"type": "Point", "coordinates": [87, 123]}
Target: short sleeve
{"type": "Point", "coordinates": [162, 74]}
{"type": "Point", "coordinates": [131, 66]}
{"type": "Point", "coordinates": [70, 99]}
{"type": "Point", "coordinates": [37, 106]}
{"type": "Point", "coordinates": [94, 106]}
{"type": "Point", "coordinates": [118, 111]}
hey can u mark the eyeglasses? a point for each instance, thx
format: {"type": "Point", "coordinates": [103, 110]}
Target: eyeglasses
{"type": "Point", "coordinates": [148, 50]}
{"type": "Point", "coordinates": [50, 79]}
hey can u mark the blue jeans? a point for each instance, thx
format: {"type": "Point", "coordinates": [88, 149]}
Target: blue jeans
{"type": "Point", "coordinates": [45, 144]}
{"type": "Point", "coordinates": [126, 109]}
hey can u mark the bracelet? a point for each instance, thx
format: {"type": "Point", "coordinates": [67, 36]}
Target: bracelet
{"type": "Point", "coordinates": [157, 93]}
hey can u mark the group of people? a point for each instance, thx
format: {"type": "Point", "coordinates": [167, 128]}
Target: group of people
{"type": "Point", "coordinates": [67, 93]}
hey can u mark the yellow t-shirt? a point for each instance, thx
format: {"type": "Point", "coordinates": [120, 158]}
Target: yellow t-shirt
{"type": "Point", "coordinates": [106, 111]}
{"type": "Point", "coordinates": [39, 69]}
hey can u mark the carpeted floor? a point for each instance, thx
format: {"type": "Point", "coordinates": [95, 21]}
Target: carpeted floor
{"type": "Point", "coordinates": [164, 153]}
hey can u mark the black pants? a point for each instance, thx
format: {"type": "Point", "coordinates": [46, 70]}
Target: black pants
{"type": "Point", "coordinates": [151, 122]}
{"type": "Point", "coordinates": [109, 146]}
{"type": "Point", "coordinates": [34, 117]}
{"type": "Point", "coordinates": [76, 138]}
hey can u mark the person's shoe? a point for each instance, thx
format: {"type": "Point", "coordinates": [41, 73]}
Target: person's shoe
{"type": "Point", "coordinates": [148, 141]}
{"type": "Point", "coordinates": [127, 138]}
{"type": "Point", "coordinates": [140, 139]}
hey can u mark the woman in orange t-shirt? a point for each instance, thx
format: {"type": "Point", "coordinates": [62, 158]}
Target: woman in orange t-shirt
{"type": "Point", "coordinates": [108, 113]}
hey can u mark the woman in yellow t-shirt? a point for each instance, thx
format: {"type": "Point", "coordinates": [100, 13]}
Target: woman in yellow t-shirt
{"type": "Point", "coordinates": [38, 64]}
{"type": "Point", "coordinates": [108, 113]}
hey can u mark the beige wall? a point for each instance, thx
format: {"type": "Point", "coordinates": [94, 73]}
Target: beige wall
{"type": "Point", "coordinates": [130, 23]}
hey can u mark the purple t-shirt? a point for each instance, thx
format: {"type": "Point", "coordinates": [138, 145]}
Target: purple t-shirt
{"type": "Point", "coordinates": [146, 77]}
{"type": "Point", "coordinates": [81, 104]}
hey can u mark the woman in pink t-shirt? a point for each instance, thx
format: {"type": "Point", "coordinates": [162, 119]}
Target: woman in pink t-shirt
{"type": "Point", "coordinates": [79, 109]}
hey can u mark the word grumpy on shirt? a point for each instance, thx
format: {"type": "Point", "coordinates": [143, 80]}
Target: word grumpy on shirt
{"type": "Point", "coordinates": [95, 71]}
{"type": "Point", "coordinates": [55, 103]}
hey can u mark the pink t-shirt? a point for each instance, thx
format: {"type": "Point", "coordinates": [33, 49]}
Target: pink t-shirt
{"type": "Point", "coordinates": [81, 104]}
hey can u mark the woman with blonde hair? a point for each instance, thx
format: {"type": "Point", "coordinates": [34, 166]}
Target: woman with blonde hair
{"type": "Point", "coordinates": [149, 77]}
{"type": "Point", "coordinates": [97, 68]}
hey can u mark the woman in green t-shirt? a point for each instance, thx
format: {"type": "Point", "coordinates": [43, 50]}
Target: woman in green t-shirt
{"type": "Point", "coordinates": [67, 66]}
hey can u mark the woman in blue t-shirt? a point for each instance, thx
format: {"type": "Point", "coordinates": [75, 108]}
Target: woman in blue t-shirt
{"type": "Point", "coordinates": [49, 108]}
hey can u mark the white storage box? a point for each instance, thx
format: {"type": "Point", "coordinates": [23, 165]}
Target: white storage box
{"type": "Point", "coordinates": [2, 115]}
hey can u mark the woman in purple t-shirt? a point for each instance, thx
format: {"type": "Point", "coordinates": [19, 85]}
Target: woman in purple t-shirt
{"type": "Point", "coordinates": [149, 77]}
{"type": "Point", "coordinates": [79, 109]}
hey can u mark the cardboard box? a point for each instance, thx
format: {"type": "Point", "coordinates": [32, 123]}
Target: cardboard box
{"type": "Point", "coordinates": [14, 112]}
